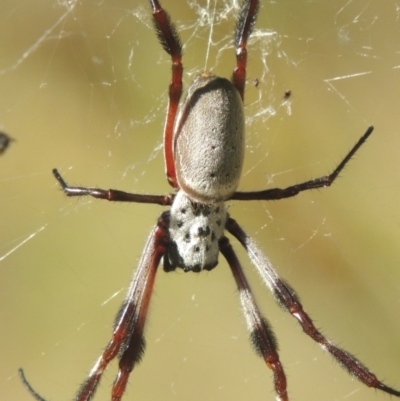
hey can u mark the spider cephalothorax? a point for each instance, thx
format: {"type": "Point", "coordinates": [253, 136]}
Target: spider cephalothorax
{"type": "Point", "coordinates": [195, 229]}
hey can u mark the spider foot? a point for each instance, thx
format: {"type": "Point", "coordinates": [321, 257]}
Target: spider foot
{"type": "Point", "coordinates": [33, 392]}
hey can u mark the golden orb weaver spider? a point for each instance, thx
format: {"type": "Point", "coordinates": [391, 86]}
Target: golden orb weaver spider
{"type": "Point", "coordinates": [204, 151]}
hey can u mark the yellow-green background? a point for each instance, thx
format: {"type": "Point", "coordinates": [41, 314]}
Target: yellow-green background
{"type": "Point", "coordinates": [84, 90]}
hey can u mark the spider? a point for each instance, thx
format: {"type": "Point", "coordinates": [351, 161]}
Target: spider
{"type": "Point", "coordinates": [204, 151]}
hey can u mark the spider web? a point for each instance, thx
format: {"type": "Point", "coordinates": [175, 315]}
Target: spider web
{"type": "Point", "coordinates": [84, 89]}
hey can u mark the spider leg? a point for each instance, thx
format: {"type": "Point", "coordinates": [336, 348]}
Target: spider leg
{"type": "Point", "coordinates": [127, 340]}
{"type": "Point", "coordinates": [287, 299]}
{"type": "Point", "coordinates": [247, 18]}
{"type": "Point", "coordinates": [28, 386]}
{"type": "Point", "coordinates": [171, 43]}
{"type": "Point", "coordinates": [262, 337]}
{"type": "Point", "coordinates": [325, 181]}
{"type": "Point", "coordinates": [112, 194]}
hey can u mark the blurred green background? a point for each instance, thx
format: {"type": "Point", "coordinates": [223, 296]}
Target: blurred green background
{"type": "Point", "coordinates": [84, 89]}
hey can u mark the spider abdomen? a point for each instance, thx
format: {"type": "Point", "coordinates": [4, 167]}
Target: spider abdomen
{"type": "Point", "coordinates": [209, 140]}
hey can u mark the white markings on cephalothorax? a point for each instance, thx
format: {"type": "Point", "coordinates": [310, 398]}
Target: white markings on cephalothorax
{"type": "Point", "coordinates": [195, 229]}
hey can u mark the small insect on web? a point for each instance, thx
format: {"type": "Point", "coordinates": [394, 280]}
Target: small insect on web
{"type": "Point", "coordinates": [5, 141]}
{"type": "Point", "coordinates": [204, 152]}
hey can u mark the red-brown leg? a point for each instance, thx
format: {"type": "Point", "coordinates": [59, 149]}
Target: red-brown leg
{"type": "Point", "coordinates": [127, 339]}
{"type": "Point", "coordinates": [246, 20]}
{"type": "Point", "coordinates": [287, 299]}
{"type": "Point", "coordinates": [261, 335]}
{"type": "Point", "coordinates": [321, 182]}
{"type": "Point", "coordinates": [112, 194]}
{"type": "Point", "coordinates": [169, 39]}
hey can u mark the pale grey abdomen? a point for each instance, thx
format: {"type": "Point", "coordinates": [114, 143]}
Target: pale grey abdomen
{"type": "Point", "coordinates": [209, 140]}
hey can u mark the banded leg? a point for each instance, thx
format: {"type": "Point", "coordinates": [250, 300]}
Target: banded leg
{"type": "Point", "coordinates": [171, 43]}
{"type": "Point", "coordinates": [246, 20]}
{"type": "Point", "coordinates": [325, 181]}
{"type": "Point", "coordinates": [287, 299]}
{"type": "Point", "coordinates": [127, 339]}
{"type": "Point", "coordinates": [261, 335]}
